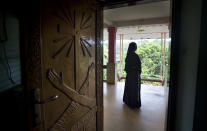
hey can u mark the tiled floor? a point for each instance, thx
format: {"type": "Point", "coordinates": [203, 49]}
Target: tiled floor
{"type": "Point", "coordinates": [150, 117]}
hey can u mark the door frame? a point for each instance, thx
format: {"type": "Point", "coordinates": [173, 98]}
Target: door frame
{"type": "Point", "coordinates": [200, 103]}
{"type": "Point", "coordinates": [31, 57]}
{"type": "Point", "coordinates": [175, 46]}
{"type": "Point", "coordinates": [99, 67]}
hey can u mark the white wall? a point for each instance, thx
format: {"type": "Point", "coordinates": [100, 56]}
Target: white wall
{"type": "Point", "coordinates": [189, 43]}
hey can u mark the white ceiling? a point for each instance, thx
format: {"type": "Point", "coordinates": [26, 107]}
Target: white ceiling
{"type": "Point", "coordinates": [148, 32]}
{"type": "Point", "coordinates": [156, 11]}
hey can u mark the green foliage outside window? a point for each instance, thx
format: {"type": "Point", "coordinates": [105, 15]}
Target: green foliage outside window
{"type": "Point", "coordinates": [150, 56]}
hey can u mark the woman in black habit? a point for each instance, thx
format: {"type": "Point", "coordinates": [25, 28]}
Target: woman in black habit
{"type": "Point", "coordinates": [133, 82]}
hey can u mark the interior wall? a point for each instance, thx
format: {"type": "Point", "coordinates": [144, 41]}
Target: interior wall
{"type": "Point", "coordinates": [188, 61]}
{"type": "Point", "coordinates": [201, 104]}
{"type": "Point", "coordinates": [12, 49]}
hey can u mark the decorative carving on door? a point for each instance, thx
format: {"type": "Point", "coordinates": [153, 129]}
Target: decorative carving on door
{"type": "Point", "coordinates": [70, 20]}
{"type": "Point", "coordinates": [69, 46]}
{"type": "Point", "coordinates": [69, 42]}
{"type": "Point", "coordinates": [86, 78]}
{"type": "Point", "coordinates": [65, 121]}
{"type": "Point", "coordinates": [54, 34]}
{"type": "Point", "coordinates": [58, 82]}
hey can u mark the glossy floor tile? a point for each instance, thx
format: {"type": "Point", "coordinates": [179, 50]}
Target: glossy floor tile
{"type": "Point", "coordinates": [150, 117]}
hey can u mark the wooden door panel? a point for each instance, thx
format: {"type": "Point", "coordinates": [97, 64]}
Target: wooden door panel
{"type": "Point", "coordinates": [68, 64]}
{"type": "Point", "coordinates": [53, 57]}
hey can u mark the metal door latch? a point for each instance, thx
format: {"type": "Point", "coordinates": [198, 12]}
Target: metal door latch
{"type": "Point", "coordinates": [53, 98]}
{"type": "Point", "coordinates": [37, 103]}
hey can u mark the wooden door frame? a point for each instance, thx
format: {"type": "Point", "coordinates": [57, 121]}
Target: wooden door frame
{"type": "Point", "coordinates": [99, 67]}
{"type": "Point", "coordinates": [31, 56]}
{"type": "Point", "coordinates": [175, 46]}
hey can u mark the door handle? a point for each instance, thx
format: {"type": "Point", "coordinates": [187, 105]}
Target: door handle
{"type": "Point", "coordinates": [37, 97]}
{"type": "Point", "coordinates": [53, 98]}
{"type": "Point", "coordinates": [37, 105]}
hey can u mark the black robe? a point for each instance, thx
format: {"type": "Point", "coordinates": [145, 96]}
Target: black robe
{"type": "Point", "coordinates": [133, 82]}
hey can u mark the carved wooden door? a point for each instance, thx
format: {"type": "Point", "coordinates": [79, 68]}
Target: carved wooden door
{"type": "Point", "coordinates": [68, 65]}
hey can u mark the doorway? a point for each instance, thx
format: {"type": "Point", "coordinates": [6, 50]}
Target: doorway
{"type": "Point", "coordinates": [98, 84]}
{"type": "Point", "coordinates": [149, 26]}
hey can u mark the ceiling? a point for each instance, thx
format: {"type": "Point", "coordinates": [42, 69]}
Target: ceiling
{"type": "Point", "coordinates": [142, 14]}
{"type": "Point", "coordinates": [142, 21]}
{"type": "Point", "coordinates": [147, 32]}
